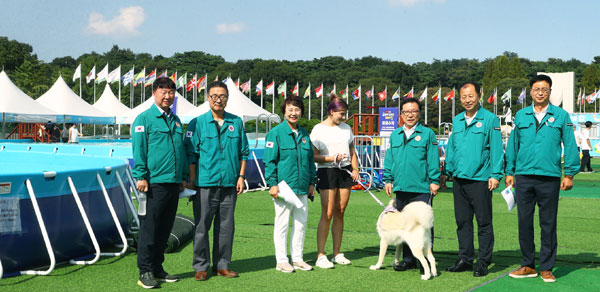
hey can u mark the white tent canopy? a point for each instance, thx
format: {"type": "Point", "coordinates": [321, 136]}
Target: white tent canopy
{"type": "Point", "coordinates": [109, 103]}
{"type": "Point", "coordinates": [239, 105]}
{"type": "Point", "coordinates": [74, 109]}
{"type": "Point", "coordinates": [16, 106]}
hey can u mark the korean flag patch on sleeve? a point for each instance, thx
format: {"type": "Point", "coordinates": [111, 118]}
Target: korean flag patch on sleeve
{"type": "Point", "coordinates": [269, 145]}
{"type": "Point", "coordinates": [189, 134]}
{"type": "Point", "coordinates": [139, 129]}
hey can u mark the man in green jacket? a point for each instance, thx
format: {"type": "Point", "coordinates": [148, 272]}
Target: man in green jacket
{"type": "Point", "coordinates": [533, 158]}
{"type": "Point", "coordinates": [218, 163]}
{"type": "Point", "coordinates": [475, 159]}
{"type": "Point", "coordinates": [159, 156]}
{"type": "Point", "coordinates": [411, 167]}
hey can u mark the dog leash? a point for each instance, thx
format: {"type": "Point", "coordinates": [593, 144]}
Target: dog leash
{"type": "Point", "coordinates": [338, 164]}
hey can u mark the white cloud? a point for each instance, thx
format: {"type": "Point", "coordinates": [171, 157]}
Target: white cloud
{"type": "Point", "coordinates": [125, 24]}
{"type": "Point", "coordinates": [409, 3]}
{"type": "Point", "coordinates": [231, 27]}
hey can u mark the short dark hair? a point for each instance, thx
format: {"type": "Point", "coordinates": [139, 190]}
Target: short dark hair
{"type": "Point", "coordinates": [295, 101]}
{"type": "Point", "coordinates": [477, 88]}
{"type": "Point", "coordinates": [163, 82]}
{"type": "Point", "coordinates": [588, 124]}
{"type": "Point", "coordinates": [409, 100]}
{"type": "Point", "coordinates": [540, 77]}
{"type": "Point", "coordinates": [217, 84]}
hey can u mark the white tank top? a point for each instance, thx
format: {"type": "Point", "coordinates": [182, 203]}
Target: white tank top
{"type": "Point", "coordinates": [74, 135]}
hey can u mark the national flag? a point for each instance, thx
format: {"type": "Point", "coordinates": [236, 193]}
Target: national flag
{"type": "Point", "coordinates": [369, 93]}
{"type": "Point", "coordinates": [77, 73]}
{"type": "Point", "coordinates": [409, 94]}
{"type": "Point", "coordinates": [507, 96]}
{"type": "Point", "coordinates": [521, 98]}
{"type": "Point", "coordinates": [382, 95]}
{"type": "Point", "coordinates": [259, 87]}
{"type": "Point", "coordinates": [296, 89]}
{"type": "Point", "coordinates": [396, 94]}
{"type": "Point", "coordinates": [270, 89]}
{"type": "Point", "coordinates": [201, 83]}
{"type": "Point", "coordinates": [181, 81]}
{"type": "Point", "coordinates": [578, 96]}
{"type": "Point", "coordinates": [281, 88]}
{"type": "Point", "coordinates": [128, 77]}
{"type": "Point", "coordinates": [492, 98]}
{"type": "Point", "coordinates": [102, 74]}
{"type": "Point", "coordinates": [139, 78]}
{"type": "Point", "coordinates": [173, 77]}
{"type": "Point", "coordinates": [356, 93]}
{"type": "Point", "coordinates": [423, 95]}
{"type": "Point", "coordinates": [237, 83]}
{"type": "Point", "coordinates": [91, 75]}
{"type": "Point", "coordinates": [307, 91]}
{"type": "Point", "coordinates": [345, 95]}
{"type": "Point", "coordinates": [164, 74]}
{"type": "Point", "coordinates": [450, 95]}
{"type": "Point", "coordinates": [192, 83]}
{"type": "Point", "coordinates": [114, 75]}
{"type": "Point", "coordinates": [319, 91]}
{"type": "Point", "coordinates": [436, 96]}
{"type": "Point", "coordinates": [245, 87]}
{"type": "Point", "coordinates": [150, 78]}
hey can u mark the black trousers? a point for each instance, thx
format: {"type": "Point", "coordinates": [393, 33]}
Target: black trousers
{"type": "Point", "coordinates": [403, 199]}
{"type": "Point", "coordinates": [585, 161]}
{"type": "Point", "coordinates": [156, 225]}
{"type": "Point", "coordinates": [473, 197]}
{"type": "Point", "coordinates": [543, 191]}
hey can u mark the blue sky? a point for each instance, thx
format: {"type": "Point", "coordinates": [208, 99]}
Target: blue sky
{"type": "Point", "coordinates": [399, 30]}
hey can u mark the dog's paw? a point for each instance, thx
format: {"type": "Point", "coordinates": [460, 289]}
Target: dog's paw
{"type": "Point", "coordinates": [426, 277]}
{"type": "Point", "coordinates": [374, 267]}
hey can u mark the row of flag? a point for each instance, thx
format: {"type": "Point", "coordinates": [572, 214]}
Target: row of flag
{"type": "Point", "coordinates": [590, 98]}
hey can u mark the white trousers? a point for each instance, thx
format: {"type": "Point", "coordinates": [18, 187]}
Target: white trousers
{"type": "Point", "coordinates": [283, 211]}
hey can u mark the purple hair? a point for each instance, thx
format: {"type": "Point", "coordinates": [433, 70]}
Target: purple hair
{"type": "Point", "coordinates": [336, 104]}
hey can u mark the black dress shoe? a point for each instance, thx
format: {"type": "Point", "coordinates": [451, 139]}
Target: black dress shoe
{"type": "Point", "coordinates": [481, 270]}
{"type": "Point", "coordinates": [460, 266]}
{"type": "Point", "coordinates": [403, 266]}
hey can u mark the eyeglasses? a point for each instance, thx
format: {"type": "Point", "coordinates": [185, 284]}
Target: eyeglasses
{"type": "Point", "coordinates": [543, 90]}
{"type": "Point", "coordinates": [410, 113]}
{"type": "Point", "coordinates": [215, 97]}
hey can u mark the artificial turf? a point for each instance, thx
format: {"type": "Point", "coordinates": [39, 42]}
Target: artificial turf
{"type": "Point", "coordinates": [577, 265]}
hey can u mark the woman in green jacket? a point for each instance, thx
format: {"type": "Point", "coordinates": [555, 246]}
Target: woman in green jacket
{"type": "Point", "coordinates": [289, 158]}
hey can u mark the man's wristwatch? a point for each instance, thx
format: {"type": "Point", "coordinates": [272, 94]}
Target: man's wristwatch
{"type": "Point", "coordinates": [242, 176]}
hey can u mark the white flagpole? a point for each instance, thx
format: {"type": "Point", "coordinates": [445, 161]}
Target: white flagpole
{"type": "Point", "coordinates": [426, 106]}
{"type": "Point", "coordinates": [372, 99]}
{"type": "Point", "coordinates": [309, 89]}
{"type": "Point", "coordinates": [80, 77]}
{"type": "Point", "coordinates": [273, 104]}
{"type": "Point", "coordinates": [385, 100]}
{"type": "Point", "coordinates": [119, 83]}
{"type": "Point", "coordinates": [440, 108]}
{"type": "Point", "coordinates": [453, 98]}
{"type": "Point", "coordinates": [359, 99]}
{"type": "Point", "coordinates": [262, 89]}
{"type": "Point", "coordinates": [322, 97]}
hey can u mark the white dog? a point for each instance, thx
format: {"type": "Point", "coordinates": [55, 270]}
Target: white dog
{"type": "Point", "coordinates": [413, 226]}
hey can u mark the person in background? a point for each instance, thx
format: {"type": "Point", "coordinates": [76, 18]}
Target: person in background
{"type": "Point", "coordinates": [289, 157]}
{"type": "Point", "coordinates": [533, 166]}
{"type": "Point", "coordinates": [64, 134]}
{"type": "Point", "coordinates": [333, 145]}
{"type": "Point", "coordinates": [586, 147]}
{"type": "Point", "coordinates": [159, 156]}
{"type": "Point", "coordinates": [74, 134]}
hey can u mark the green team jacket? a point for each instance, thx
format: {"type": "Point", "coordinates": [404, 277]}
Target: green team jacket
{"type": "Point", "coordinates": [157, 144]}
{"type": "Point", "coordinates": [217, 156]}
{"type": "Point", "coordinates": [475, 151]}
{"type": "Point", "coordinates": [413, 166]}
{"type": "Point", "coordinates": [536, 149]}
{"type": "Point", "coordinates": [289, 157]}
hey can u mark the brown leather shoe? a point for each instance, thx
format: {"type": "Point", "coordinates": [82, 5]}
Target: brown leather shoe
{"type": "Point", "coordinates": [201, 276]}
{"type": "Point", "coordinates": [523, 272]}
{"type": "Point", "coordinates": [548, 277]}
{"type": "Point", "coordinates": [227, 273]}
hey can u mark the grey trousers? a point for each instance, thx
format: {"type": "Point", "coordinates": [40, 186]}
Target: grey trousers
{"type": "Point", "coordinates": [216, 203]}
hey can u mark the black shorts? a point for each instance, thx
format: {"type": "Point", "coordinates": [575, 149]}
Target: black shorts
{"type": "Point", "coordinates": [334, 178]}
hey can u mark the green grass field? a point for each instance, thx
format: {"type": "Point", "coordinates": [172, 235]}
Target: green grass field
{"type": "Point", "coordinates": [577, 267]}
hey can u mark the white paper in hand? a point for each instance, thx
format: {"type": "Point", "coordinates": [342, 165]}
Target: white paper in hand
{"type": "Point", "coordinates": [509, 197]}
{"type": "Point", "coordinates": [187, 193]}
{"type": "Point", "coordinates": [286, 194]}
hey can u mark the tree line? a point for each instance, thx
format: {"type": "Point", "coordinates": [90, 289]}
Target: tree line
{"type": "Point", "coordinates": [505, 71]}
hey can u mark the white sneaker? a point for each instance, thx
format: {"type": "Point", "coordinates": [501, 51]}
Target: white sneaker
{"type": "Point", "coordinates": [341, 259]}
{"type": "Point", "coordinates": [302, 266]}
{"type": "Point", "coordinates": [285, 267]}
{"type": "Point", "coordinates": [324, 263]}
